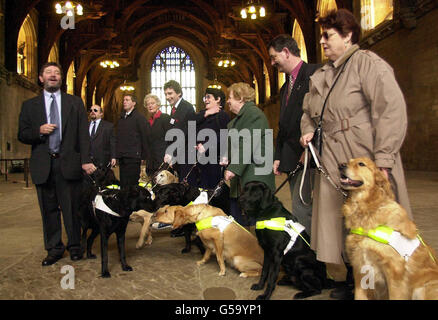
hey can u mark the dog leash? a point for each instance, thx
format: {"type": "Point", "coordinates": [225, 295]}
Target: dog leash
{"type": "Point", "coordinates": [289, 176]}
{"type": "Point", "coordinates": [321, 168]}
{"type": "Point", "coordinates": [185, 179]}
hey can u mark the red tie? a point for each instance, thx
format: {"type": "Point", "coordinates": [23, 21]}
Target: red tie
{"type": "Point", "coordinates": [289, 87]}
{"type": "Point", "coordinates": [173, 110]}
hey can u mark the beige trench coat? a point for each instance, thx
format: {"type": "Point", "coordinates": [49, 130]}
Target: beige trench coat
{"type": "Point", "coordinates": [365, 115]}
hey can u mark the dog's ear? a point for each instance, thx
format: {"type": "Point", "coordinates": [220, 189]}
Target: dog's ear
{"type": "Point", "coordinates": [179, 218]}
{"type": "Point", "coordinates": [267, 198]}
{"type": "Point", "coordinates": [383, 183]}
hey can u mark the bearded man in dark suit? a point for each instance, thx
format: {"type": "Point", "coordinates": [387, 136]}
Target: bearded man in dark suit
{"type": "Point", "coordinates": [103, 140]}
{"type": "Point", "coordinates": [55, 125]}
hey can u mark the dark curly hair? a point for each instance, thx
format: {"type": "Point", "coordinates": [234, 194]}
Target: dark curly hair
{"type": "Point", "coordinates": [217, 93]}
{"type": "Point", "coordinates": [343, 21]}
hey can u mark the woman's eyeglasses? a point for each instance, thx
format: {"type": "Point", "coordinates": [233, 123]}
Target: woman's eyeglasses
{"type": "Point", "coordinates": [327, 35]}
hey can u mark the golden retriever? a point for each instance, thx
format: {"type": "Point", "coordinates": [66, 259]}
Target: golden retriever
{"type": "Point", "coordinates": [380, 272]}
{"type": "Point", "coordinates": [143, 217]}
{"type": "Point", "coordinates": [237, 246]}
{"type": "Point", "coordinates": [165, 177]}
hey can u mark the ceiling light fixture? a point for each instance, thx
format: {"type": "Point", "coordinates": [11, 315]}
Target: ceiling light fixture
{"type": "Point", "coordinates": [126, 87]}
{"type": "Point", "coordinates": [68, 7]}
{"type": "Point", "coordinates": [109, 63]}
{"type": "Point", "coordinates": [253, 9]}
{"type": "Point", "coordinates": [226, 61]}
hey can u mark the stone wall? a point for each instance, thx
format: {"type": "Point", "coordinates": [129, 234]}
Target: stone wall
{"type": "Point", "coordinates": [413, 53]}
{"type": "Point", "coordinates": [14, 90]}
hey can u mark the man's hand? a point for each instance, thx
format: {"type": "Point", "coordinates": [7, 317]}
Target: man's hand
{"type": "Point", "coordinates": [304, 140]}
{"type": "Point", "coordinates": [228, 175]}
{"type": "Point", "coordinates": [89, 168]}
{"type": "Point", "coordinates": [47, 128]}
{"type": "Point", "coordinates": [200, 148]}
{"type": "Point", "coordinates": [113, 162]}
{"type": "Point", "coordinates": [224, 161]}
{"type": "Point", "coordinates": [167, 158]}
{"type": "Point", "coordinates": [275, 167]}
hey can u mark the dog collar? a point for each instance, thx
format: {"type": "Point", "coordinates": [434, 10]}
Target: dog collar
{"type": "Point", "coordinates": [294, 229]}
{"type": "Point", "coordinates": [113, 187]}
{"type": "Point", "coordinates": [145, 185]}
{"type": "Point", "coordinates": [219, 222]}
{"type": "Point", "coordinates": [386, 235]}
{"type": "Point", "coordinates": [98, 203]}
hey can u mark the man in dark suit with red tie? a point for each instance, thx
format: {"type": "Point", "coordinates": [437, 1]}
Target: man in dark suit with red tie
{"type": "Point", "coordinates": [182, 112]}
{"type": "Point", "coordinates": [285, 56]}
{"type": "Point", "coordinates": [103, 140]}
{"type": "Point", "coordinates": [55, 125]}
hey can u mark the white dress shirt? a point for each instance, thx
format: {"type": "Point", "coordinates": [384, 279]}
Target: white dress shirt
{"type": "Point", "coordinates": [91, 125]}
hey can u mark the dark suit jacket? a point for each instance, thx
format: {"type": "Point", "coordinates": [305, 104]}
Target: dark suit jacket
{"type": "Point", "coordinates": [132, 138]}
{"type": "Point", "coordinates": [182, 115]}
{"type": "Point", "coordinates": [103, 144]}
{"type": "Point", "coordinates": [75, 144]}
{"type": "Point", "coordinates": [157, 143]}
{"type": "Point", "coordinates": [289, 149]}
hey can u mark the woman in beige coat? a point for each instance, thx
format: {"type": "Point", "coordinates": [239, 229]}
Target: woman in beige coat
{"type": "Point", "coordinates": [365, 115]}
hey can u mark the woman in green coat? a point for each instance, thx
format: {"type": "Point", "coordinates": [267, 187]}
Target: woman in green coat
{"type": "Point", "coordinates": [250, 146]}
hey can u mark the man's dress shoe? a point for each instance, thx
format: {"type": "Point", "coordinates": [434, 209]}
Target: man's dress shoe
{"type": "Point", "coordinates": [76, 256]}
{"type": "Point", "coordinates": [49, 260]}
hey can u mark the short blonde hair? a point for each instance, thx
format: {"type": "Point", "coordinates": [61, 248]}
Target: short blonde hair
{"type": "Point", "coordinates": [151, 96]}
{"type": "Point", "coordinates": [242, 90]}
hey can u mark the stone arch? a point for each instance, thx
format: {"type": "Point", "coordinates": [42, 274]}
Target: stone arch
{"type": "Point", "coordinates": [27, 49]}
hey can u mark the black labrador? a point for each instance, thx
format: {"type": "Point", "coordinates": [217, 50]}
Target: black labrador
{"type": "Point", "coordinates": [115, 217]}
{"type": "Point", "coordinates": [302, 269]}
{"type": "Point", "coordinates": [182, 194]}
{"type": "Point", "coordinates": [91, 185]}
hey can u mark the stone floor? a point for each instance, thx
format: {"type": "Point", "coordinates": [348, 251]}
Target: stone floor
{"type": "Point", "coordinates": [161, 272]}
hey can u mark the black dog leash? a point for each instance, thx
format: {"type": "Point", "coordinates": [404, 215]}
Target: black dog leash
{"type": "Point", "coordinates": [185, 179]}
{"type": "Point", "coordinates": [289, 176]}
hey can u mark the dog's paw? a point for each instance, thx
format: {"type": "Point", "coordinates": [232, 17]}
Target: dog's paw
{"type": "Point", "coordinates": [200, 262]}
{"type": "Point", "coordinates": [127, 268]}
{"type": "Point", "coordinates": [148, 241]}
{"type": "Point", "coordinates": [221, 273]}
{"type": "Point", "coordinates": [306, 294]}
{"type": "Point", "coordinates": [185, 250]}
{"type": "Point", "coordinates": [256, 286]}
{"type": "Point", "coordinates": [106, 274]}
{"type": "Point", "coordinates": [139, 245]}
{"type": "Point", "coordinates": [243, 275]}
{"type": "Point", "coordinates": [91, 256]}
{"type": "Point", "coordinates": [262, 297]}
{"type": "Point", "coordinates": [285, 281]}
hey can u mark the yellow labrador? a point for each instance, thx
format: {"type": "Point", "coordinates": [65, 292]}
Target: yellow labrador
{"type": "Point", "coordinates": [229, 241]}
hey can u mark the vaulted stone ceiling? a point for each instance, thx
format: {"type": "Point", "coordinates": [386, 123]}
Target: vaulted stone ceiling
{"type": "Point", "coordinates": [129, 27]}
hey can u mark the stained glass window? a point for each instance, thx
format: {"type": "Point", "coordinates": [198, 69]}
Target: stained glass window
{"type": "Point", "coordinates": [173, 63]}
